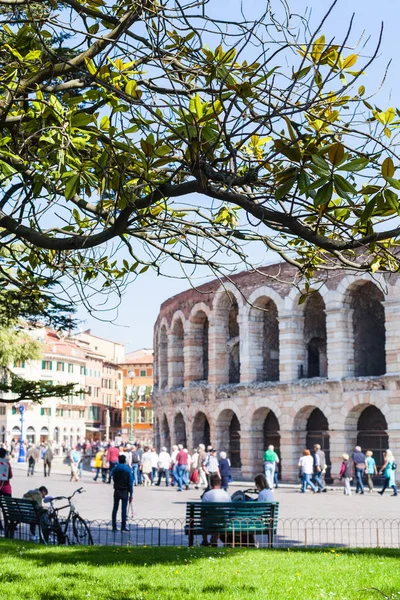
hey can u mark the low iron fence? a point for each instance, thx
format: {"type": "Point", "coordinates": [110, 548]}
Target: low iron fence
{"type": "Point", "coordinates": [290, 533]}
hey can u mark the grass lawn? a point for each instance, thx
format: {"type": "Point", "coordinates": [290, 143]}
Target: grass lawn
{"type": "Point", "coordinates": [32, 572]}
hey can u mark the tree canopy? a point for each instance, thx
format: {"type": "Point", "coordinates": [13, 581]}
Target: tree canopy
{"type": "Point", "coordinates": [137, 130]}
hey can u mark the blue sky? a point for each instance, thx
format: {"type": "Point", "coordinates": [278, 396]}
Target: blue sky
{"type": "Point", "coordinates": [132, 324]}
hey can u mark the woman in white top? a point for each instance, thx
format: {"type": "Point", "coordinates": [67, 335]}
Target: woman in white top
{"type": "Point", "coordinates": [265, 494]}
{"type": "Point", "coordinates": [306, 464]}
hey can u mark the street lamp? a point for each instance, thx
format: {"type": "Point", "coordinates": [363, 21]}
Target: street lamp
{"type": "Point", "coordinates": [21, 454]}
{"type": "Point", "coordinates": [130, 398]}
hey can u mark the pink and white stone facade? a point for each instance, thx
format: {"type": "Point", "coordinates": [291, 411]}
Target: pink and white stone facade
{"type": "Point", "coordinates": [337, 352]}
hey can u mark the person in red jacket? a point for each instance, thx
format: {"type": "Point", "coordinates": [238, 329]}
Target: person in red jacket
{"type": "Point", "coordinates": [112, 457]}
{"type": "Point", "coordinates": [5, 486]}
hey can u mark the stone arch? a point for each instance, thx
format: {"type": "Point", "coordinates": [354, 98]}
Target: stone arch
{"type": "Point", "coordinates": [31, 435]}
{"type": "Point", "coordinates": [197, 344]}
{"type": "Point", "coordinates": [263, 328]}
{"type": "Point", "coordinates": [307, 419]}
{"type": "Point", "coordinates": [201, 430]}
{"type": "Point", "coordinates": [364, 300]}
{"type": "Point", "coordinates": [315, 342]}
{"type": "Point", "coordinates": [228, 436]}
{"type": "Point", "coordinates": [226, 348]}
{"type": "Point", "coordinates": [165, 433]}
{"type": "Point", "coordinates": [176, 364]}
{"type": "Point", "coordinates": [163, 357]}
{"type": "Point", "coordinates": [367, 426]}
{"type": "Point", "coordinates": [180, 430]}
{"type": "Point", "coordinates": [265, 431]}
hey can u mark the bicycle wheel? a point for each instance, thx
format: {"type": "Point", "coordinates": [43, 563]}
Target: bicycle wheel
{"type": "Point", "coordinates": [50, 531]}
{"type": "Point", "coordinates": [81, 531]}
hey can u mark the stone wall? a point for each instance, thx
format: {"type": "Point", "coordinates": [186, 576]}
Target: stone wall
{"type": "Point", "coordinates": [270, 357]}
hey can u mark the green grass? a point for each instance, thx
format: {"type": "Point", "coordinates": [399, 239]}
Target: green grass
{"type": "Point", "coordinates": [32, 572]}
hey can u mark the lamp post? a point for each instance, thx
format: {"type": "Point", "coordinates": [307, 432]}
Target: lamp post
{"type": "Point", "coordinates": [21, 454]}
{"type": "Point", "coordinates": [130, 398]}
{"type": "Point", "coordinates": [108, 424]}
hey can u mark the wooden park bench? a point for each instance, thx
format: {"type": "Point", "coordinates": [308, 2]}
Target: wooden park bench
{"type": "Point", "coordinates": [235, 523]}
{"type": "Point", "coordinates": [19, 510]}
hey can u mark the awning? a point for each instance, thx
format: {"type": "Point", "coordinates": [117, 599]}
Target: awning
{"type": "Point", "coordinates": [92, 429]}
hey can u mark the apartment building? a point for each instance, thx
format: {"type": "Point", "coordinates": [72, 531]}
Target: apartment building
{"type": "Point", "coordinates": [137, 418]}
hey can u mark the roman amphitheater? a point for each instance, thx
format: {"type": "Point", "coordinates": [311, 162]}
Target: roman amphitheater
{"type": "Point", "coordinates": [242, 364]}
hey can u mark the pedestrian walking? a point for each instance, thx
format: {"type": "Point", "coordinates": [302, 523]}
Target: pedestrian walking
{"type": "Point", "coordinates": [98, 463]}
{"type": "Point", "coordinates": [112, 457]}
{"type": "Point", "coordinates": [389, 472]}
{"type": "Point", "coordinates": [105, 467]}
{"type": "Point", "coordinates": [135, 461]}
{"type": "Point", "coordinates": [358, 459]}
{"type": "Point", "coordinates": [48, 456]}
{"type": "Point", "coordinates": [32, 457]}
{"type": "Point", "coordinates": [154, 465]}
{"type": "Point", "coordinates": [370, 469]}
{"type": "Point", "coordinates": [202, 473]}
{"type": "Point", "coordinates": [123, 491]}
{"type": "Point", "coordinates": [224, 466]}
{"type": "Point", "coordinates": [211, 465]}
{"type": "Point", "coordinates": [194, 468]}
{"type": "Point", "coordinates": [319, 468]}
{"type": "Point", "coordinates": [181, 468]}
{"type": "Point", "coordinates": [75, 460]}
{"type": "Point", "coordinates": [306, 464]}
{"type": "Point", "coordinates": [164, 464]}
{"type": "Point", "coordinates": [174, 470]}
{"type": "Point", "coordinates": [345, 474]}
{"type": "Point", "coordinates": [146, 466]}
{"type": "Point", "coordinates": [270, 461]}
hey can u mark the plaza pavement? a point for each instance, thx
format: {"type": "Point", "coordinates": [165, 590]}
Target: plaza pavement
{"type": "Point", "coordinates": [166, 503]}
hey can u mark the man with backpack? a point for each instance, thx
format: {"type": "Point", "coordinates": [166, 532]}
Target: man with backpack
{"type": "Point", "coordinates": [135, 465]}
{"type": "Point", "coordinates": [319, 468]}
{"type": "Point", "coordinates": [47, 460]}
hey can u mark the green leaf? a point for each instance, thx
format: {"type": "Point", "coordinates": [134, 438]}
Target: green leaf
{"type": "Point", "coordinates": [358, 164]}
{"type": "Point", "coordinates": [388, 167]}
{"type": "Point", "coordinates": [324, 194]}
{"type": "Point", "coordinates": [302, 73]}
{"type": "Point", "coordinates": [105, 123]}
{"type": "Point", "coordinates": [369, 209]}
{"type": "Point", "coordinates": [71, 186]}
{"type": "Point", "coordinates": [284, 189]}
{"type": "Point", "coordinates": [147, 148]}
{"type": "Point", "coordinates": [318, 48]}
{"type": "Point", "coordinates": [344, 184]}
{"type": "Point", "coordinates": [393, 182]}
{"type": "Point", "coordinates": [336, 153]}
{"type": "Point", "coordinates": [321, 163]}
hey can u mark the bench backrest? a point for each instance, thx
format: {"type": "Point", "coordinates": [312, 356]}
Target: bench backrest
{"type": "Point", "coordinates": [215, 516]}
{"type": "Point", "coordinates": [19, 510]}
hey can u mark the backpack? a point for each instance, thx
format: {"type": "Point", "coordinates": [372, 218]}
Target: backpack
{"type": "Point", "coordinates": [3, 469]}
{"type": "Point", "coordinates": [394, 465]}
{"type": "Point", "coordinates": [135, 458]}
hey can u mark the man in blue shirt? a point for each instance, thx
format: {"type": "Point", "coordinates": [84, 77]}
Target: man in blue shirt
{"type": "Point", "coordinates": [123, 490]}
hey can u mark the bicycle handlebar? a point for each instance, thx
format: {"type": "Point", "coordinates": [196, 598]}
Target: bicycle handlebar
{"type": "Point", "coordinates": [69, 498]}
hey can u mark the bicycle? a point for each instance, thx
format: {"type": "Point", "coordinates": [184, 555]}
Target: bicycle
{"type": "Point", "coordinates": [55, 528]}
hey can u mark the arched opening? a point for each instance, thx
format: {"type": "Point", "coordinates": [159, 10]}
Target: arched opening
{"type": "Point", "coordinates": [372, 433]}
{"type": "Point", "coordinates": [165, 434]}
{"type": "Point", "coordinates": [16, 433]}
{"type": "Point", "coordinates": [198, 344]}
{"type": "Point", "coordinates": [30, 435]}
{"type": "Point", "coordinates": [176, 354]}
{"type": "Point", "coordinates": [201, 430]}
{"type": "Point", "coordinates": [56, 435]}
{"type": "Point", "coordinates": [163, 358]}
{"type": "Point", "coordinates": [263, 328]}
{"type": "Point", "coordinates": [180, 430]}
{"type": "Point", "coordinates": [265, 432]}
{"type": "Point", "coordinates": [315, 337]}
{"type": "Point", "coordinates": [368, 330]}
{"type": "Point", "coordinates": [318, 433]}
{"type": "Point", "coordinates": [228, 437]}
{"type": "Point", "coordinates": [233, 344]}
{"type": "Point", "coordinates": [44, 435]}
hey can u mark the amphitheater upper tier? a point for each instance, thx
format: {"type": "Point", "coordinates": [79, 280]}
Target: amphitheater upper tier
{"type": "Point", "coordinates": [246, 362]}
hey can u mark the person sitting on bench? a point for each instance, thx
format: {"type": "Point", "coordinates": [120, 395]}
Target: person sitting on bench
{"type": "Point", "coordinates": [215, 494]}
